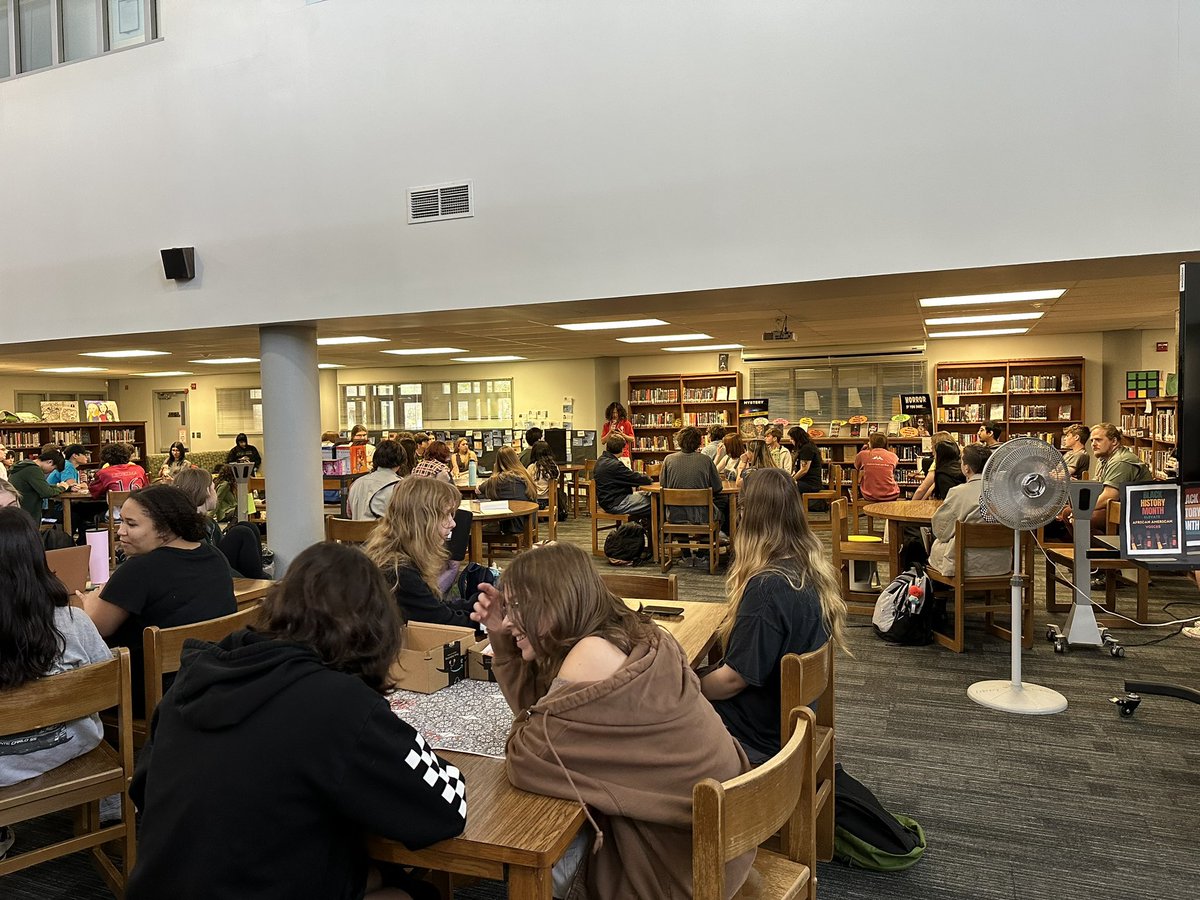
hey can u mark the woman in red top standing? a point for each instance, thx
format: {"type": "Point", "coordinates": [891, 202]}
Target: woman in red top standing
{"type": "Point", "coordinates": [877, 470]}
{"type": "Point", "coordinates": [617, 419]}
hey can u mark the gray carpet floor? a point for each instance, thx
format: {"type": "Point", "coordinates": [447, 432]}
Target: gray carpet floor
{"type": "Point", "coordinates": [1084, 804]}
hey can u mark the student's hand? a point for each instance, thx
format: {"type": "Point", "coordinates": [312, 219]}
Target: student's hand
{"type": "Point", "coordinates": [489, 610]}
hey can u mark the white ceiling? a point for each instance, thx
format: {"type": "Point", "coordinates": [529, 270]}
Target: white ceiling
{"type": "Point", "coordinates": [1101, 295]}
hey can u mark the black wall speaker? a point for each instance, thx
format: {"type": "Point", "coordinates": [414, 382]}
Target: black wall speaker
{"type": "Point", "coordinates": [179, 263]}
{"type": "Point", "coordinates": [723, 362]}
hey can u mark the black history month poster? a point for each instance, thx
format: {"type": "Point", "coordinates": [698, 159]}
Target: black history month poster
{"type": "Point", "coordinates": [1154, 524]}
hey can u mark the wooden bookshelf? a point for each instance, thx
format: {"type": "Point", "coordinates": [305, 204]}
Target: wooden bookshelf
{"type": "Point", "coordinates": [659, 405]}
{"type": "Point", "coordinates": [842, 450]}
{"type": "Point", "coordinates": [26, 439]}
{"type": "Point", "coordinates": [1030, 397]}
{"type": "Point", "coordinates": [1151, 435]}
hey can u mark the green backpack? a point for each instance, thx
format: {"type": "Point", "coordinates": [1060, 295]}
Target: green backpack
{"type": "Point", "coordinates": [867, 836]}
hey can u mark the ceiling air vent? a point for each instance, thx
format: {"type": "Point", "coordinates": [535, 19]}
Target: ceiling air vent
{"type": "Point", "coordinates": [436, 202]}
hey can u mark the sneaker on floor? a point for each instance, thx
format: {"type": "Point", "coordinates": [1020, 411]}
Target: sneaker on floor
{"type": "Point", "coordinates": [1098, 583]}
{"type": "Point", "coordinates": [7, 836]}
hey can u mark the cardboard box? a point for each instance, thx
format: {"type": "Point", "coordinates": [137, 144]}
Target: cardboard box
{"type": "Point", "coordinates": [479, 664]}
{"type": "Point", "coordinates": [433, 657]}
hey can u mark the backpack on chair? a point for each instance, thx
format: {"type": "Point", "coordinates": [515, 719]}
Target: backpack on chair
{"type": "Point", "coordinates": [626, 545]}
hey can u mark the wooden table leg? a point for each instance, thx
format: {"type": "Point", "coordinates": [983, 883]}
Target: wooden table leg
{"type": "Point", "coordinates": [894, 530]}
{"type": "Point", "coordinates": [67, 518]}
{"type": "Point", "coordinates": [476, 551]}
{"type": "Point", "coordinates": [529, 521]}
{"type": "Point", "coordinates": [731, 525]}
{"type": "Point", "coordinates": [654, 548]}
{"type": "Point", "coordinates": [529, 884]}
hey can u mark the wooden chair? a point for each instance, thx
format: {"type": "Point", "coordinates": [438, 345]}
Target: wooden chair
{"type": "Point", "coordinates": [596, 514]}
{"type": "Point", "coordinates": [654, 470]}
{"type": "Point", "coordinates": [707, 532]}
{"type": "Point", "coordinates": [857, 502]}
{"type": "Point", "coordinates": [832, 492]}
{"type": "Point", "coordinates": [804, 681]}
{"type": "Point", "coordinates": [976, 536]}
{"type": "Point", "coordinates": [81, 783]}
{"type": "Point", "coordinates": [642, 587]}
{"type": "Point", "coordinates": [583, 485]}
{"type": "Point", "coordinates": [161, 649]}
{"type": "Point", "coordinates": [1064, 555]}
{"type": "Point", "coordinates": [733, 817]}
{"type": "Point", "coordinates": [550, 514]}
{"type": "Point", "coordinates": [349, 531]}
{"type": "Point", "coordinates": [859, 603]}
{"type": "Point", "coordinates": [115, 499]}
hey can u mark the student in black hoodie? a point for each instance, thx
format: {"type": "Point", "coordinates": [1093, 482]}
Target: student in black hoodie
{"type": "Point", "coordinates": [274, 753]}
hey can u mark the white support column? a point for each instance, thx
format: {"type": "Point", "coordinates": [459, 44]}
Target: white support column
{"type": "Point", "coordinates": [292, 435]}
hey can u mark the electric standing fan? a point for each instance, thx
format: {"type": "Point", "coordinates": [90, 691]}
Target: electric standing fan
{"type": "Point", "coordinates": [1024, 487]}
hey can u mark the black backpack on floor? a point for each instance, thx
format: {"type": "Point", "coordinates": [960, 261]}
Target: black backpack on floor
{"type": "Point", "coordinates": [626, 544]}
{"type": "Point", "coordinates": [867, 836]}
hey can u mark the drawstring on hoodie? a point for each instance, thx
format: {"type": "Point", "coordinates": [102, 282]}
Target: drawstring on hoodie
{"type": "Point", "coordinates": [599, 842]}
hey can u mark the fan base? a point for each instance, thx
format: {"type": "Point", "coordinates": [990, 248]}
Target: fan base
{"type": "Point", "coordinates": [1025, 699]}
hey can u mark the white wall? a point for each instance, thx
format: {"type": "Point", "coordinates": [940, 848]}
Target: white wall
{"type": "Point", "coordinates": [616, 149]}
{"type": "Point", "coordinates": [11, 385]}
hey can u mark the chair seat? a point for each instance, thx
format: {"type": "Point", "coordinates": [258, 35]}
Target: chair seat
{"type": "Point", "coordinates": [865, 550]}
{"type": "Point", "coordinates": [775, 877]}
{"type": "Point", "coordinates": [1066, 556]}
{"type": "Point", "coordinates": [92, 776]}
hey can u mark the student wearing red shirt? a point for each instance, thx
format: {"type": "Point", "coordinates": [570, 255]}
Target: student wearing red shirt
{"type": "Point", "coordinates": [617, 419]}
{"type": "Point", "coordinates": [118, 474]}
{"type": "Point", "coordinates": [877, 470]}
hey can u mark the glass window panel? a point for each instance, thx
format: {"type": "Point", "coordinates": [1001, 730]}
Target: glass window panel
{"type": "Point", "coordinates": [36, 37]}
{"type": "Point", "coordinates": [5, 62]}
{"type": "Point", "coordinates": [410, 390]}
{"type": "Point", "coordinates": [238, 410]}
{"type": "Point", "coordinates": [125, 25]}
{"type": "Point", "coordinates": [81, 29]}
{"type": "Point", "coordinates": [837, 391]}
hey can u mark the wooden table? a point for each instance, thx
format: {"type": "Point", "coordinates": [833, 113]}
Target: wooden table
{"type": "Point", "coordinates": [67, 498]}
{"type": "Point", "coordinates": [729, 489]}
{"type": "Point", "coordinates": [696, 629]}
{"type": "Point", "coordinates": [511, 834]}
{"type": "Point", "coordinates": [516, 509]}
{"type": "Point", "coordinates": [911, 511]}
{"type": "Point", "coordinates": [250, 590]}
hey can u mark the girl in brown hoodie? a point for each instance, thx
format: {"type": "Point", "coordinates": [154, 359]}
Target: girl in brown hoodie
{"type": "Point", "coordinates": [609, 713]}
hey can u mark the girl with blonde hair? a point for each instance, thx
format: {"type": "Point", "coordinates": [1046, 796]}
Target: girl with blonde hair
{"type": "Point", "coordinates": [784, 597]}
{"type": "Point", "coordinates": [510, 481]}
{"type": "Point", "coordinates": [610, 715]}
{"type": "Point", "coordinates": [409, 545]}
{"type": "Point", "coordinates": [757, 456]}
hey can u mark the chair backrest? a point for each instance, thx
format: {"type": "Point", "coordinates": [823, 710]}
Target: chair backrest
{"type": "Point", "coordinates": [71, 695]}
{"type": "Point", "coordinates": [550, 513]}
{"type": "Point", "coordinates": [854, 495]}
{"type": "Point", "coordinates": [349, 531]}
{"type": "Point", "coordinates": [589, 466]}
{"type": "Point", "coordinates": [981, 536]}
{"type": "Point", "coordinates": [654, 469]}
{"type": "Point", "coordinates": [803, 681]}
{"type": "Point", "coordinates": [835, 477]}
{"type": "Point", "coordinates": [1112, 521]}
{"type": "Point", "coordinates": [642, 587]}
{"type": "Point", "coordinates": [71, 565]}
{"type": "Point", "coordinates": [733, 817]}
{"type": "Point", "coordinates": [839, 521]}
{"type": "Point", "coordinates": [162, 646]}
{"type": "Point", "coordinates": [688, 497]}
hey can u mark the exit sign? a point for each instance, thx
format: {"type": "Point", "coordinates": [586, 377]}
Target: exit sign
{"type": "Point", "coordinates": [1160, 347]}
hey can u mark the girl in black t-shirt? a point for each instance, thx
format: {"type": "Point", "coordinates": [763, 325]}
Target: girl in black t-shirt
{"type": "Point", "coordinates": [806, 461]}
{"type": "Point", "coordinates": [784, 597]}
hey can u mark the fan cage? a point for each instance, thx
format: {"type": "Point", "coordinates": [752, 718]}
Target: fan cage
{"type": "Point", "coordinates": [1024, 484]}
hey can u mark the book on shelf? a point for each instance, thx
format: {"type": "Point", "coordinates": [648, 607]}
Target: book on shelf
{"type": "Point", "coordinates": [733, 392]}
{"type": "Point", "coordinates": [996, 413]}
{"type": "Point", "coordinates": [997, 385]}
{"type": "Point", "coordinates": [722, 394]}
{"type": "Point", "coordinates": [893, 429]}
{"type": "Point", "coordinates": [835, 430]}
{"type": "Point", "coordinates": [1064, 412]}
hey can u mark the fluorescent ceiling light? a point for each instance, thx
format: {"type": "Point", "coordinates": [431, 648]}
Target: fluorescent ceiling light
{"type": "Point", "coordinates": [487, 358]}
{"type": "Point", "coordinates": [992, 317]}
{"type": "Point", "coordinates": [330, 366]}
{"type": "Point", "coordinates": [353, 339]}
{"type": "Point", "coordinates": [71, 370]}
{"type": "Point", "coordinates": [609, 326]}
{"type": "Point", "coordinates": [982, 332]}
{"type": "Point", "coordinates": [227, 361]}
{"type": "Point", "coordinates": [986, 299]}
{"type": "Point", "coordinates": [125, 354]}
{"type": "Point", "coordinates": [664, 338]}
{"type": "Point", "coordinates": [423, 351]}
{"type": "Point", "coordinates": [160, 374]}
{"type": "Point", "coordinates": [705, 347]}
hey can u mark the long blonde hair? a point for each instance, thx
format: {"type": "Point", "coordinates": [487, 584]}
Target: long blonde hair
{"type": "Point", "coordinates": [760, 455]}
{"type": "Point", "coordinates": [773, 536]}
{"type": "Point", "coordinates": [508, 465]}
{"type": "Point", "coordinates": [410, 533]}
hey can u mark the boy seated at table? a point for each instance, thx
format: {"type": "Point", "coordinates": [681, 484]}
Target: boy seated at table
{"type": "Point", "coordinates": [962, 505]}
{"type": "Point", "coordinates": [610, 715]}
